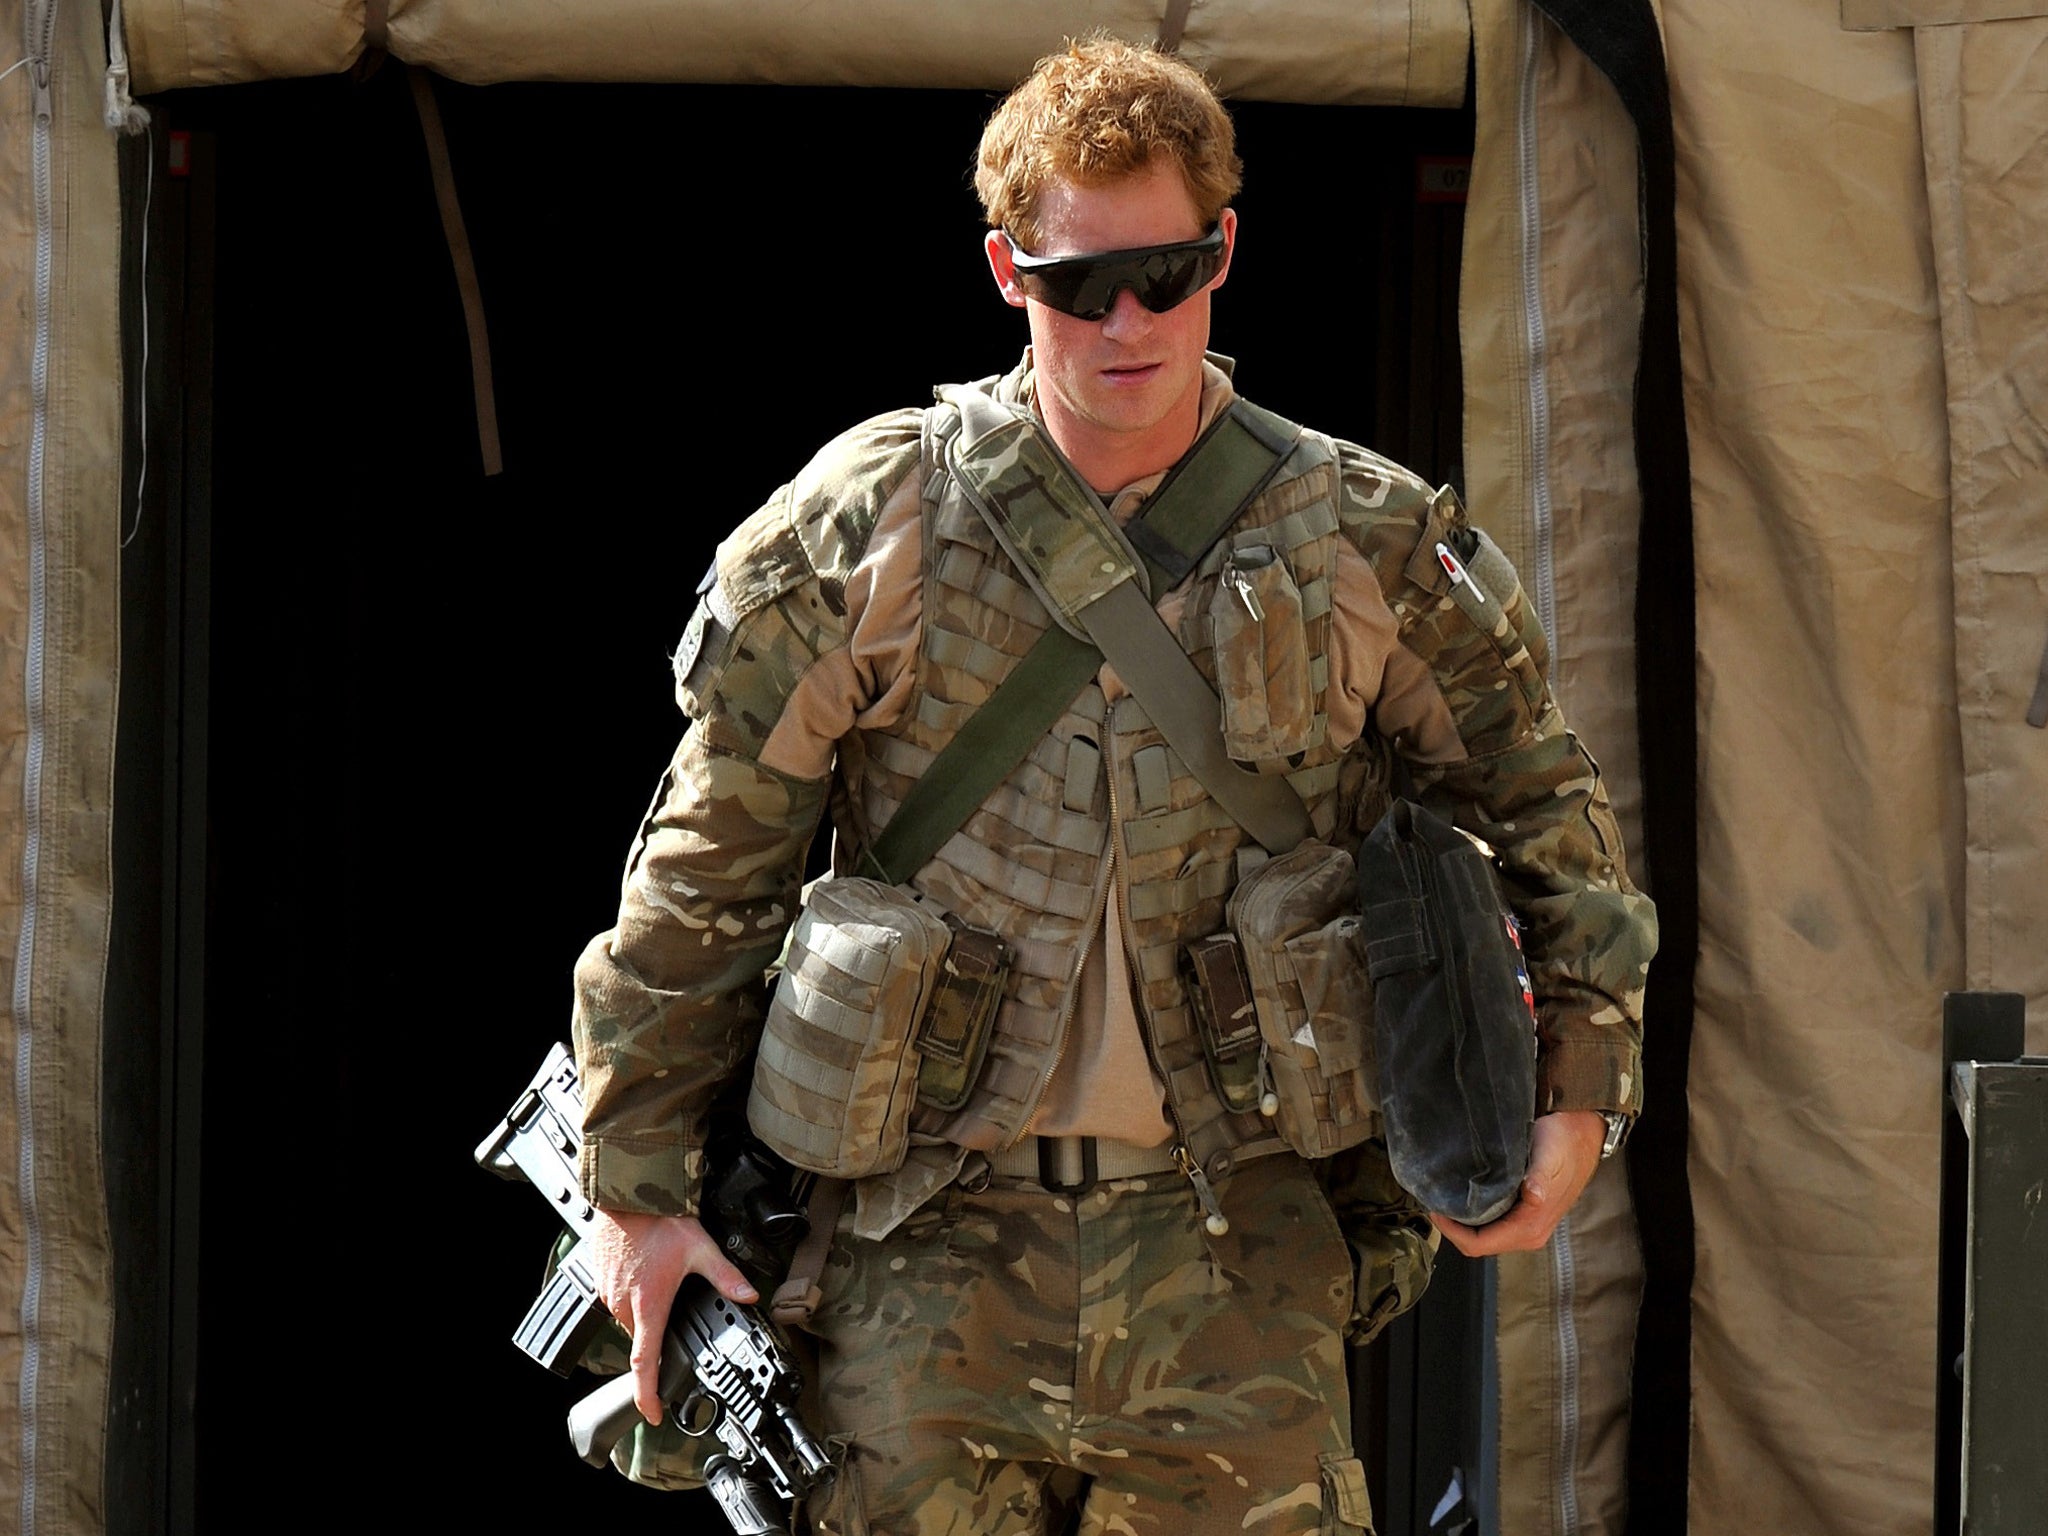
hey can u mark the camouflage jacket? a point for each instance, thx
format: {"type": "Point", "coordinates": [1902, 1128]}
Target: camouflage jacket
{"type": "Point", "coordinates": [669, 1001]}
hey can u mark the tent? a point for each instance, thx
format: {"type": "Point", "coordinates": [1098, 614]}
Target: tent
{"type": "Point", "coordinates": [1805, 636]}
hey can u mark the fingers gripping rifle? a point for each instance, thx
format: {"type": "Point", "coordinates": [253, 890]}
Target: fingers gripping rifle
{"type": "Point", "coordinates": [725, 1371]}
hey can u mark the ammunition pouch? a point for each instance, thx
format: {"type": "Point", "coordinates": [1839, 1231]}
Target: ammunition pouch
{"type": "Point", "coordinates": [1264, 672]}
{"type": "Point", "coordinates": [1304, 1054]}
{"type": "Point", "coordinates": [883, 1002]}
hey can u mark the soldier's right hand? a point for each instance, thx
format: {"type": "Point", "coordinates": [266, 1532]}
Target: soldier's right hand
{"type": "Point", "coordinates": [642, 1261]}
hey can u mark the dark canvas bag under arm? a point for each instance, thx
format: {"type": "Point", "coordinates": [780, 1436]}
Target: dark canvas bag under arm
{"type": "Point", "coordinates": [1453, 1018]}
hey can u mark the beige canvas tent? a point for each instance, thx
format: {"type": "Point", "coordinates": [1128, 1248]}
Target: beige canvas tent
{"type": "Point", "coordinates": [1837, 760]}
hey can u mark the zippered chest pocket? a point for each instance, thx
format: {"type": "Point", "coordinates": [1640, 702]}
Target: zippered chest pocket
{"type": "Point", "coordinates": [1264, 672]}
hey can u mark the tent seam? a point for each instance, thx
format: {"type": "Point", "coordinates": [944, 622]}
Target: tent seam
{"type": "Point", "coordinates": [41, 23]}
{"type": "Point", "coordinates": [1966, 583]}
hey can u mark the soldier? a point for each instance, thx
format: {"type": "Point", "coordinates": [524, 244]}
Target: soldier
{"type": "Point", "coordinates": [1085, 1272]}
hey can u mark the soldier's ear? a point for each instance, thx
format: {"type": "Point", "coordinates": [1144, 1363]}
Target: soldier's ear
{"type": "Point", "coordinates": [997, 245]}
{"type": "Point", "coordinates": [1227, 219]}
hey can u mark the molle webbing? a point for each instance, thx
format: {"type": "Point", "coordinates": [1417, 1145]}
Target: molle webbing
{"type": "Point", "coordinates": [1128, 629]}
{"type": "Point", "coordinates": [985, 751]}
{"type": "Point", "coordinates": [1028, 491]}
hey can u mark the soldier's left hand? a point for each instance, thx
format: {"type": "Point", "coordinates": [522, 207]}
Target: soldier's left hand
{"type": "Point", "coordinates": [1564, 1150]}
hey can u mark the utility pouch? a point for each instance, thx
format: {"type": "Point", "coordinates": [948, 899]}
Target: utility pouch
{"type": "Point", "coordinates": [1297, 927]}
{"type": "Point", "coordinates": [1220, 997]}
{"type": "Point", "coordinates": [836, 1076]}
{"type": "Point", "coordinates": [1262, 661]}
{"type": "Point", "coordinates": [952, 1037]}
{"type": "Point", "coordinates": [1454, 1017]}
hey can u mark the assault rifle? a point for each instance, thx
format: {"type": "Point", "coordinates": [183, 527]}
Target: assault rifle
{"type": "Point", "coordinates": [725, 1370]}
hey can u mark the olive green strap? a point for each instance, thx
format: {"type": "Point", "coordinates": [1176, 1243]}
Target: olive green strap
{"type": "Point", "coordinates": [1233, 462]}
{"type": "Point", "coordinates": [983, 753]}
{"type": "Point", "coordinates": [1128, 630]}
{"type": "Point", "coordinates": [1013, 465]}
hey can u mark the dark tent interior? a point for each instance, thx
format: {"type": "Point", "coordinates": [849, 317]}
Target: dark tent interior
{"type": "Point", "coordinates": [388, 725]}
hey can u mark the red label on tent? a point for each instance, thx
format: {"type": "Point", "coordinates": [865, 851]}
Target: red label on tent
{"type": "Point", "coordinates": [1442, 178]}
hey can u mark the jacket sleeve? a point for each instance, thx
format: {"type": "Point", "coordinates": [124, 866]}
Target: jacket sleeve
{"type": "Point", "coordinates": [669, 1001]}
{"type": "Point", "coordinates": [1518, 778]}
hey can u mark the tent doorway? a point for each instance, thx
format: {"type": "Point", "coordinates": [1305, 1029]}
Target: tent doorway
{"type": "Point", "coordinates": [387, 724]}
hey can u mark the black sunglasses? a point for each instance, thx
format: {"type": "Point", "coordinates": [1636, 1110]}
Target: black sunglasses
{"type": "Point", "coordinates": [1085, 287]}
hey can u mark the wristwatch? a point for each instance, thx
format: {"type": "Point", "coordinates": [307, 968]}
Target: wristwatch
{"type": "Point", "coordinates": [1617, 1132]}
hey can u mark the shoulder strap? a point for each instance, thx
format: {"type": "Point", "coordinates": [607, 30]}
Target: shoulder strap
{"type": "Point", "coordinates": [1073, 554]}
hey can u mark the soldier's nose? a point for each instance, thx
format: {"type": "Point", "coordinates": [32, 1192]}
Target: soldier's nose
{"type": "Point", "coordinates": [1125, 312]}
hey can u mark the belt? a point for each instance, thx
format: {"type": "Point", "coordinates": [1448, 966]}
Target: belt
{"type": "Point", "coordinates": [1071, 1165]}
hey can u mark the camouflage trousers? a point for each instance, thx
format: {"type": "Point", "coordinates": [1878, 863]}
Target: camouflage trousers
{"type": "Point", "coordinates": [1013, 1362]}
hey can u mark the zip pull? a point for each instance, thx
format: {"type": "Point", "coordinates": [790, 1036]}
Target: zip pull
{"type": "Point", "coordinates": [1269, 1101]}
{"type": "Point", "coordinates": [1212, 1208]}
{"type": "Point", "coordinates": [1243, 586]}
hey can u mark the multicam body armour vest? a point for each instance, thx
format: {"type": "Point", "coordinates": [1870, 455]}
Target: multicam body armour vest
{"type": "Point", "coordinates": [1101, 798]}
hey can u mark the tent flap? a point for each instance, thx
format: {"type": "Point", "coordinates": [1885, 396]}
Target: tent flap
{"type": "Point", "coordinates": [60, 451]}
{"type": "Point", "coordinates": [1987, 175]}
{"type": "Point", "coordinates": [1370, 52]}
{"type": "Point", "coordinates": [1550, 309]}
{"type": "Point", "coordinates": [1831, 867]}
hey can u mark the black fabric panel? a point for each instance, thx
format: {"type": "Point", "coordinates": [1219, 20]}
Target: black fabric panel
{"type": "Point", "coordinates": [1621, 39]}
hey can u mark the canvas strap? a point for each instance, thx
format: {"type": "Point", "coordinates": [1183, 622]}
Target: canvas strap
{"type": "Point", "coordinates": [797, 1297]}
{"type": "Point", "coordinates": [457, 235]}
{"type": "Point", "coordinates": [1096, 580]}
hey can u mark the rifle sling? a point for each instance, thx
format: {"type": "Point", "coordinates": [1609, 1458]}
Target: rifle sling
{"type": "Point", "coordinates": [983, 753]}
{"type": "Point", "coordinates": [1199, 499]}
{"type": "Point", "coordinates": [1128, 630]}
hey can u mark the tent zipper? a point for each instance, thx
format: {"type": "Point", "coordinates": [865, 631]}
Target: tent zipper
{"type": "Point", "coordinates": [1542, 528]}
{"type": "Point", "coordinates": [42, 18]}
{"type": "Point", "coordinates": [1565, 1273]}
{"type": "Point", "coordinates": [1543, 539]}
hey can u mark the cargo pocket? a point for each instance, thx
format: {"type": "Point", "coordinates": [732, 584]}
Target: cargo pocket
{"type": "Point", "coordinates": [1297, 930]}
{"type": "Point", "coordinates": [1263, 667]}
{"type": "Point", "coordinates": [834, 1508]}
{"type": "Point", "coordinates": [836, 1076]}
{"type": "Point", "coordinates": [1347, 1508]}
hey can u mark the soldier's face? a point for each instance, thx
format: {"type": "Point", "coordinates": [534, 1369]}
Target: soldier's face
{"type": "Point", "coordinates": [1122, 392]}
